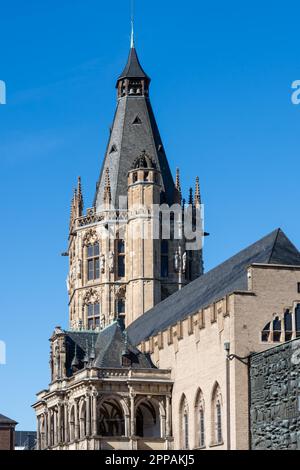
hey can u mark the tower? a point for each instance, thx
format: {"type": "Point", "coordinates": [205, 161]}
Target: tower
{"type": "Point", "coordinates": [113, 273]}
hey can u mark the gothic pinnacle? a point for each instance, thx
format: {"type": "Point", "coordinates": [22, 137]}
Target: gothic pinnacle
{"type": "Point", "coordinates": [107, 188]}
{"type": "Point", "coordinates": [177, 183]}
{"type": "Point", "coordinates": [191, 201]}
{"type": "Point", "coordinates": [197, 193]}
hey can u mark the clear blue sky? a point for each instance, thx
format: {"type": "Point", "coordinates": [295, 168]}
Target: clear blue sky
{"type": "Point", "coordinates": [221, 86]}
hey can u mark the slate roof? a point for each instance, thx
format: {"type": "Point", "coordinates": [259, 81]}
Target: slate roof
{"type": "Point", "coordinates": [108, 346]}
{"type": "Point", "coordinates": [226, 278]}
{"type": "Point", "coordinates": [133, 68]}
{"type": "Point", "coordinates": [126, 143]}
{"type": "Point", "coordinates": [6, 420]}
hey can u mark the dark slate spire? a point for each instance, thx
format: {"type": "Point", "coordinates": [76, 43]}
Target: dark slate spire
{"type": "Point", "coordinates": [133, 68]}
{"type": "Point", "coordinates": [133, 132]}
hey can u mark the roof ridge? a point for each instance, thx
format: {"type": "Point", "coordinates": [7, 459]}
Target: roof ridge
{"type": "Point", "coordinates": [274, 244]}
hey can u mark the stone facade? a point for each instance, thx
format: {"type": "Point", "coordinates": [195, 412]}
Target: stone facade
{"type": "Point", "coordinates": [156, 355]}
{"type": "Point", "coordinates": [275, 398]}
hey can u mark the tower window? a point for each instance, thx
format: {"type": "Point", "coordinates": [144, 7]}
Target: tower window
{"type": "Point", "coordinates": [276, 330]}
{"type": "Point", "coordinates": [202, 428]}
{"type": "Point", "coordinates": [113, 149]}
{"type": "Point", "coordinates": [297, 318]}
{"type": "Point", "coordinates": [121, 307]}
{"type": "Point", "coordinates": [121, 258]}
{"type": "Point", "coordinates": [93, 262]}
{"type": "Point", "coordinates": [265, 334]}
{"type": "Point", "coordinates": [288, 326]}
{"type": "Point", "coordinates": [219, 423]}
{"type": "Point", "coordinates": [137, 121]}
{"type": "Point", "coordinates": [164, 258]}
{"type": "Point", "coordinates": [93, 316]}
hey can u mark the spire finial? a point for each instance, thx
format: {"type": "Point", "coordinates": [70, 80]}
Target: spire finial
{"type": "Point", "coordinates": [132, 25]}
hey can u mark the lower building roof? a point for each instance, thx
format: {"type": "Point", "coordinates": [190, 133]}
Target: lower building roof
{"type": "Point", "coordinates": [226, 278]}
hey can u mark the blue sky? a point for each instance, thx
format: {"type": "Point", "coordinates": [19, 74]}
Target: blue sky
{"type": "Point", "coordinates": [221, 90]}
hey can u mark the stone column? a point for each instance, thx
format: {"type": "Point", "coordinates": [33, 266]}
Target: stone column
{"type": "Point", "coordinates": [88, 414]}
{"type": "Point", "coordinates": [59, 433]}
{"type": "Point", "coordinates": [54, 427]}
{"type": "Point", "coordinates": [46, 428]}
{"type": "Point", "coordinates": [132, 415]}
{"type": "Point", "coordinates": [38, 441]}
{"type": "Point", "coordinates": [49, 429]}
{"type": "Point", "coordinates": [127, 425]}
{"type": "Point", "coordinates": [94, 413]}
{"type": "Point", "coordinates": [66, 423]}
{"type": "Point", "coordinates": [76, 420]}
{"type": "Point", "coordinates": [168, 416]}
{"type": "Point", "coordinates": [162, 420]}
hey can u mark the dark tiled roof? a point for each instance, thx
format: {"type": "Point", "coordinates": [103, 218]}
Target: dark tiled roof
{"type": "Point", "coordinates": [108, 346]}
{"type": "Point", "coordinates": [126, 143]}
{"type": "Point", "coordinates": [226, 278]}
{"type": "Point", "coordinates": [5, 420]}
{"type": "Point", "coordinates": [133, 68]}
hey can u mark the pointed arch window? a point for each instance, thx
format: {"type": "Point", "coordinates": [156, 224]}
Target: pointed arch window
{"type": "Point", "coordinates": [199, 420]}
{"type": "Point", "coordinates": [164, 258]}
{"type": "Point", "coordinates": [288, 325]}
{"type": "Point", "coordinates": [216, 409]}
{"type": "Point", "coordinates": [276, 330]}
{"type": "Point", "coordinates": [297, 320]}
{"type": "Point", "coordinates": [184, 423]}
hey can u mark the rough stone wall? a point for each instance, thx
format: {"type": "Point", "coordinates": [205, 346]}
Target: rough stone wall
{"type": "Point", "coordinates": [275, 398]}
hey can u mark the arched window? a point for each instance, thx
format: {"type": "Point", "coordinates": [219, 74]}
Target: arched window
{"type": "Point", "coordinates": [121, 257]}
{"type": "Point", "coordinates": [148, 419]}
{"type": "Point", "coordinates": [217, 424]}
{"type": "Point", "coordinates": [276, 330]}
{"type": "Point", "coordinates": [82, 421]}
{"type": "Point", "coordinates": [297, 320]}
{"type": "Point", "coordinates": [121, 307]}
{"type": "Point", "coordinates": [199, 420]}
{"type": "Point", "coordinates": [111, 422]}
{"type": "Point", "coordinates": [72, 424]}
{"type": "Point", "coordinates": [288, 325]}
{"type": "Point", "coordinates": [265, 334]}
{"type": "Point", "coordinates": [164, 258]}
{"type": "Point", "coordinates": [93, 262]}
{"type": "Point", "coordinates": [184, 423]}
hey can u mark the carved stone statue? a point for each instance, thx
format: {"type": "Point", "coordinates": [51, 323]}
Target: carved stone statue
{"type": "Point", "coordinates": [78, 267]}
{"type": "Point", "coordinates": [111, 261]}
{"type": "Point", "coordinates": [176, 261]}
{"type": "Point", "coordinates": [184, 260]}
{"type": "Point", "coordinates": [102, 321]}
{"type": "Point", "coordinates": [102, 263]}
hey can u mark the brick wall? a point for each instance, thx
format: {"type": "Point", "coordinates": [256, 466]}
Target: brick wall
{"type": "Point", "coordinates": [6, 438]}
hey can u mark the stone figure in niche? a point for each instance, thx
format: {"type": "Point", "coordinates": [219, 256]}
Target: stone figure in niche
{"type": "Point", "coordinates": [102, 321]}
{"type": "Point", "coordinates": [57, 359]}
{"type": "Point", "coordinates": [79, 263]}
{"type": "Point", "coordinates": [184, 260]}
{"type": "Point", "coordinates": [102, 263]}
{"type": "Point", "coordinates": [177, 261]}
{"type": "Point", "coordinates": [111, 261]}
